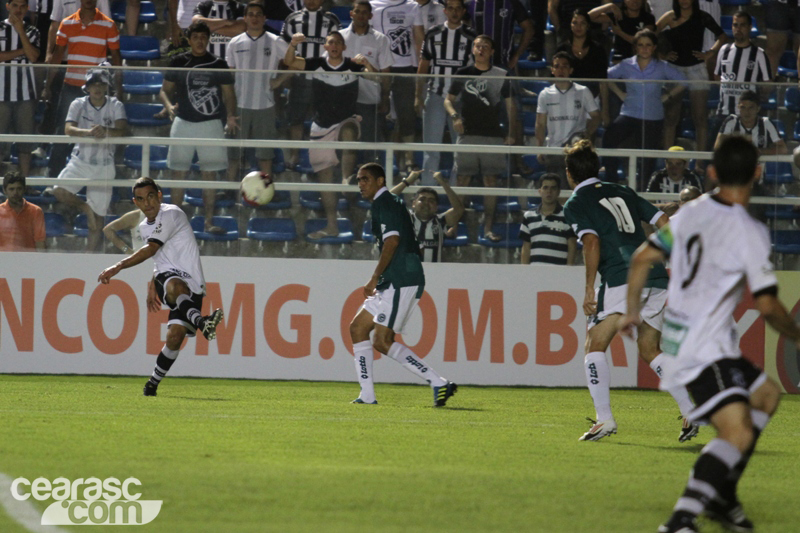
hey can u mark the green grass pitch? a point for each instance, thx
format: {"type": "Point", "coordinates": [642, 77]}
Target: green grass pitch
{"type": "Point", "coordinates": [230, 456]}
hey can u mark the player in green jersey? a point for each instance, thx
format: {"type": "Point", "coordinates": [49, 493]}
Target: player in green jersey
{"type": "Point", "coordinates": [607, 218]}
{"type": "Point", "coordinates": [392, 292]}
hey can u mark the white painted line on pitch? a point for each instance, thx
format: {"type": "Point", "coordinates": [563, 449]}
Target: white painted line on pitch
{"type": "Point", "coordinates": [23, 512]}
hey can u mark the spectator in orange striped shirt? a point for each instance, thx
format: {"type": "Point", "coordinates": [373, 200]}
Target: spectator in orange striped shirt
{"type": "Point", "coordinates": [89, 36]}
{"type": "Point", "coordinates": [21, 222]}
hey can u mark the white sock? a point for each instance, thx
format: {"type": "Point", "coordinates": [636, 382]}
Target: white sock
{"type": "Point", "coordinates": [363, 360]}
{"type": "Point", "coordinates": [598, 377]}
{"type": "Point", "coordinates": [680, 394]}
{"type": "Point", "coordinates": [413, 364]}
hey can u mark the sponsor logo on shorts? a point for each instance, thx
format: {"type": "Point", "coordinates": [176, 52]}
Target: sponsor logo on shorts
{"type": "Point", "coordinates": [381, 317]}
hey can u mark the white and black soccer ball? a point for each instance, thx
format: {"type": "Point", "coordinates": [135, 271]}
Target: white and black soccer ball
{"type": "Point", "coordinates": [257, 188]}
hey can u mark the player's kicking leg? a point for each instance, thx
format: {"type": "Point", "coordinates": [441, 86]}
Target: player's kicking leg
{"type": "Point", "coordinates": [598, 377]}
{"type": "Point", "coordinates": [184, 319]}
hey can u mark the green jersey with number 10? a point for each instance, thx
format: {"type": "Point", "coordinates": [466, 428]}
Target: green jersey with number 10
{"type": "Point", "coordinates": [615, 214]}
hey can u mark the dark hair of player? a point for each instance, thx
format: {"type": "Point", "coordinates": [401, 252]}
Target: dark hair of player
{"type": "Point", "coordinates": [13, 177]}
{"type": "Point", "coordinates": [145, 182]}
{"type": "Point", "coordinates": [198, 27]}
{"type": "Point", "coordinates": [582, 161]}
{"type": "Point", "coordinates": [565, 55]}
{"type": "Point", "coordinates": [550, 176]}
{"type": "Point", "coordinates": [735, 161]}
{"type": "Point", "coordinates": [374, 170]}
{"type": "Point", "coordinates": [427, 190]}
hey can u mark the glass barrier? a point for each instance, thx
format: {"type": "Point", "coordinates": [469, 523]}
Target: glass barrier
{"type": "Point", "coordinates": [475, 141]}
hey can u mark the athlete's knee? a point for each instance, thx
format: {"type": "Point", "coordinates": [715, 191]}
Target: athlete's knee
{"type": "Point", "coordinates": [175, 288]}
{"type": "Point", "coordinates": [359, 332]}
{"type": "Point", "coordinates": [741, 436]}
{"type": "Point", "coordinates": [767, 397]}
{"type": "Point", "coordinates": [383, 340]}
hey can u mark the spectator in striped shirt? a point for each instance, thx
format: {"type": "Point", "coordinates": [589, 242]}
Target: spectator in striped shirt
{"type": "Point", "coordinates": [760, 130]}
{"type": "Point", "coordinates": [225, 19]}
{"type": "Point", "coordinates": [740, 66]}
{"type": "Point", "coordinates": [99, 116]}
{"type": "Point", "coordinates": [431, 227]}
{"type": "Point", "coordinates": [448, 47]}
{"type": "Point", "coordinates": [19, 45]}
{"type": "Point", "coordinates": [21, 223]}
{"type": "Point", "coordinates": [674, 177]}
{"type": "Point", "coordinates": [546, 236]}
{"type": "Point", "coordinates": [91, 37]}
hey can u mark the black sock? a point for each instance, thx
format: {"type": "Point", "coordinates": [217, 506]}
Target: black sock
{"type": "Point", "coordinates": [709, 479]}
{"type": "Point", "coordinates": [163, 363]}
{"type": "Point", "coordinates": [189, 310]}
{"type": "Point", "coordinates": [760, 421]}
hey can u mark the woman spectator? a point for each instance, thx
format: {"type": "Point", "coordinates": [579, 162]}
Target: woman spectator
{"type": "Point", "coordinates": [590, 58]}
{"type": "Point", "coordinates": [625, 21]}
{"type": "Point", "coordinates": [685, 26]}
{"type": "Point", "coordinates": [642, 114]}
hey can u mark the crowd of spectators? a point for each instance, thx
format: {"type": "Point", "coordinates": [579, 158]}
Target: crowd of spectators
{"type": "Point", "coordinates": [482, 42]}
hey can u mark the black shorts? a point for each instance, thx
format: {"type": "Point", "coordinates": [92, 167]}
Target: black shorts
{"type": "Point", "coordinates": [721, 383]}
{"type": "Point", "coordinates": [175, 316]}
{"type": "Point", "coordinates": [782, 18]}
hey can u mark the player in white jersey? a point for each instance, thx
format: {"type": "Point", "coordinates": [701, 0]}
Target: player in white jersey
{"type": "Point", "coordinates": [177, 278]}
{"type": "Point", "coordinates": [96, 115]}
{"type": "Point", "coordinates": [714, 248]}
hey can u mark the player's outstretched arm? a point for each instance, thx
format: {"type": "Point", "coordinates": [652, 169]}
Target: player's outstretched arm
{"type": "Point", "coordinates": [142, 254]}
{"type": "Point", "coordinates": [642, 261]}
{"type": "Point", "coordinates": [776, 315]}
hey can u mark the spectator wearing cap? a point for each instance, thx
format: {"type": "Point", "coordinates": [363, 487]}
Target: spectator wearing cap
{"type": "Point", "coordinates": [675, 177]}
{"type": "Point", "coordinates": [21, 222]}
{"type": "Point", "coordinates": [99, 116]}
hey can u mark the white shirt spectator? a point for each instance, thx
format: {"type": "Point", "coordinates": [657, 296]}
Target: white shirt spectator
{"type": "Point", "coordinates": [85, 116]}
{"type": "Point", "coordinates": [264, 53]}
{"type": "Point", "coordinates": [376, 47]}
{"type": "Point", "coordinates": [567, 111]}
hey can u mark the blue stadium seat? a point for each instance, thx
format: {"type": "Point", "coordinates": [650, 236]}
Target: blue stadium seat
{"type": "Point", "coordinates": [343, 12]}
{"type": "Point", "coordinates": [194, 197]}
{"type": "Point", "coordinates": [713, 97]}
{"type": "Point", "coordinates": [527, 64]}
{"type": "Point", "coordinates": [54, 225]}
{"type": "Point", "coordinates": [118, 11]}
{"type": "Point", "coordinates": [142, 81]}
{"type": "Point", "coordinates": [461, 238]}
{"type": "Point", "coordinates": [735, 2]}
{"type": "Point", "coordinates": [304, 164]}
{"type": "Point", "coordinates": [509, 231]}
{"type": "Point", "coordinates": [786, 241]}
{"type": "Point", "coordinates": [229, 224]}
{"type": "Point", "coordinates": [147, 12]}
{"type": "Point", "coordinates": [686, 128]}
{"type": "Point", "coordinates": [796, 133]}
{"type": "Point", "coordinates": [35, 161]}
{"type": "Point", "coordinates": [312, 200]}
{"type": "Point", "coordinates": [787, 66]}
{"type": "Point", "coordinates": [529, 123]}
{"type": "Point", "coordinates": [781, 212]}
{"type": "Point", "coordinates": [40, 199]}
{"type": "Point", "coordinates": [366, 232]}
{"type": "Point", "coordinates": [772, 102]}
{"type": "Point", "coordinates": [316, 224]}
{"type": "Point", "coordinates": [158, 156]}
{"type": "Point", "coordinates": [81, 226]}
{"type": "Point", "coordinates": [791, 99]}
{"type": "Point", "coordinates": [271, 229]}
{"type": "Point", "coordinates": [142, 115]}
{"type": "Point", "coordinates": [778, 172]}
{"type": "Point", "coordinates": [139, 48]}
{"type": "Point", "coordinates": [281, 200]}
{"type": "Point", "coordinates": [278, 162]}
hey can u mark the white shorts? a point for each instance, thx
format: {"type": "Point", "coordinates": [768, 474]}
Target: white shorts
{"type": "Point", "coordinates": [391, 307]}
{"type": "Point", "coordinates": [613, 300]}
{"type": "Point", "coordinates": [98, 197]}
{"type": "Point", "coordinates": [695, 73]}
{"type": "Point", "coordinates": [209, 158]}
{"type": "Point", "coordinates": [322, 158]}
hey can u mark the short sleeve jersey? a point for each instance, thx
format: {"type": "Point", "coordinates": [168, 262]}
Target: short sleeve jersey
{"type": "Point", "coordinates": [567, 111]}
{"type": "Point", "coordinates": [763, 134]}
{"type": "Point", "coordinates": [661, 182]}
{"type": "Point", "coordinates": [395, 19]}
{"type": "Point", "coordinates": [85, 116]}
{"type": "Point", "coordinates": [223, 10]}
{"type": "Point", "coordinates": [178, 252]}
{"type": "Point", "coordinates": [430, 235]}
{"type": "Point", "coordinates": [615, 214]}
{"type": "Point", "coordinates": [261, 54]}
{"type": "Point", "coordinates": [335, 90]}
{"type": "Point", "coordinates": [199, 92]}
{"type": "Point", "coordinates": [481, 99]}
{"type": "Point", "coordinates": [390, 217]}
{"type": "Point", "coordinates": [714, 249]}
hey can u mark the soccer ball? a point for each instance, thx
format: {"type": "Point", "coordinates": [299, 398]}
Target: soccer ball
{"type": "Point", "coordinates": [257, 188]}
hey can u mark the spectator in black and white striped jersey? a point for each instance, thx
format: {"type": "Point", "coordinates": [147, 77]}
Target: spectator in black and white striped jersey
{"type": "Point", "coordinates": [546, 236]}
{"type": "Point", "coordinates": [316, 25]}
{"type": "Point", "coordinates": [225, 19]}
{"type": "Point", "coordinates": [19, 45]}
{"type": "Point", "coordinates": [760, 130]}
{"type": "Point", "coordinates": [447, 48]}
{"type": "Point", "coordinates": [740, 66]}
